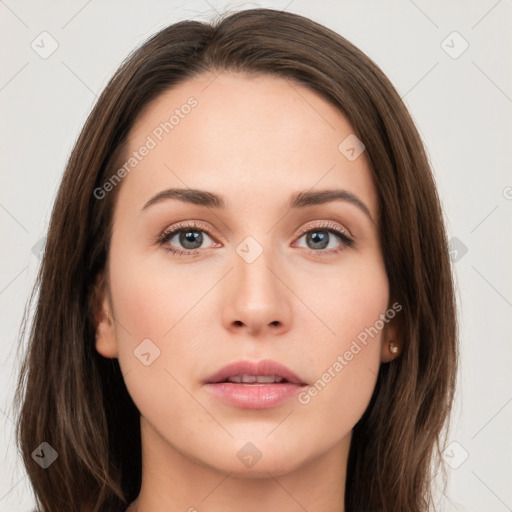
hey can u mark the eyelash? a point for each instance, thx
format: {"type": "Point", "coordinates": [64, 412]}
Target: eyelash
{"type": "Point", "coordinates": [332, 228]}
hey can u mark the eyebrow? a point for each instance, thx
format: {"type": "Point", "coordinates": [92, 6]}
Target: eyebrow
{"type": "Point", "coordinates": [301, 199]}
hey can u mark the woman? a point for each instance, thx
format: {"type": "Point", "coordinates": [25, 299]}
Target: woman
{"type": "Point", "coordinates": [245, 299]}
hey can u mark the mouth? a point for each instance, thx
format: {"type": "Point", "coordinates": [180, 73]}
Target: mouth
{"type": "Point", "coordinates": [248, 373]}
{"type": "Point", "coordinates": [254, 385]}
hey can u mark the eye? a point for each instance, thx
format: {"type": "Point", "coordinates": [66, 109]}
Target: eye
{"type": "Point", "coordinates": [323, 241]}
{"type": "Point", "coordinates": [189, 236]}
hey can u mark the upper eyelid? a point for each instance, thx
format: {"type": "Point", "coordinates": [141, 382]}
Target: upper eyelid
{"type": "Point", "coordinates": [327, 225]}
{"type": "Point", "coordinates": [198, 225]}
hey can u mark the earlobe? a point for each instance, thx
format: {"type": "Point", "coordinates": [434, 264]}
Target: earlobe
{"type": "Point", "coordinates": [390, 350]}
{"type": "Point", "coordinates": [392, 345]}
{"type": "Point", "coordinates": [106, 342]}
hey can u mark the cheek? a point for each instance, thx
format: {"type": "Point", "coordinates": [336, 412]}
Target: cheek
{"type": "Point", "coordinates": [150, 296]}
{"type": "Point", "coordinates": [342, 303]}
{"type": "Point", "coordinates": [346, 354]}
{"type": "Point", "coordinates": [154, 338]}
{"type": "Point", "coordinates": [155, 302]}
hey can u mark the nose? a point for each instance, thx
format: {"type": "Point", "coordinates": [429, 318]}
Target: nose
{"type": "Point", "coordinates": [257, 300]}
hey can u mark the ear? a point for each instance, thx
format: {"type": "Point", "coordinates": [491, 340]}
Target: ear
{"type": "Point", "coordinates": [392, 342]}
{"type": "Point", "coordinates": [106, 342]}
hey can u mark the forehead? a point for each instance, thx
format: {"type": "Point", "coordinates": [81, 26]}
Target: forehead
{"type": "Point", "coordinates": [245, 137]}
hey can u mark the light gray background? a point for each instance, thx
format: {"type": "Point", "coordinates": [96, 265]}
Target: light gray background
{"type": "Point", "coordinates": [462, 107]}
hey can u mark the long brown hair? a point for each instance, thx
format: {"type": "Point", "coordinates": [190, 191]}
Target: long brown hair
{"type": "Point", "coordinates": [89, 418]}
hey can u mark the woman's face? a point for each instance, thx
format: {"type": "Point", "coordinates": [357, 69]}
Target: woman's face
{"type": "Point", "coordinates": [255, 278]}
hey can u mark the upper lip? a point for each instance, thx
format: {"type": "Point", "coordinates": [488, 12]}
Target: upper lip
{"type": "Point", "coordinates": [264, 367]}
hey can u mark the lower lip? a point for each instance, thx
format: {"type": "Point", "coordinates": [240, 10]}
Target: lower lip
{"type": "Point", "coordinates": [253, 396]}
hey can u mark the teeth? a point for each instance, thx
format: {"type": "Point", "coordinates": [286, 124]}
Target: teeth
{"type": "Point", "coordinates": [251, 379]}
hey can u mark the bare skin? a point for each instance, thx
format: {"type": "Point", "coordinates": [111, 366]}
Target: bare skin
{"type": "Point", "coordinates": [255, 141]}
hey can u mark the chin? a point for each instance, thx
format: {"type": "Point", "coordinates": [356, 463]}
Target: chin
{"type": "Point", "coordinates": [258, 459]}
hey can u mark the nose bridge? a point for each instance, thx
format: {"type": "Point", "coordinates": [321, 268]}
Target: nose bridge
{"type": "Point", "coordinates": [253, 262]}
{"type": "Point", "coordinates": [258, 299]}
